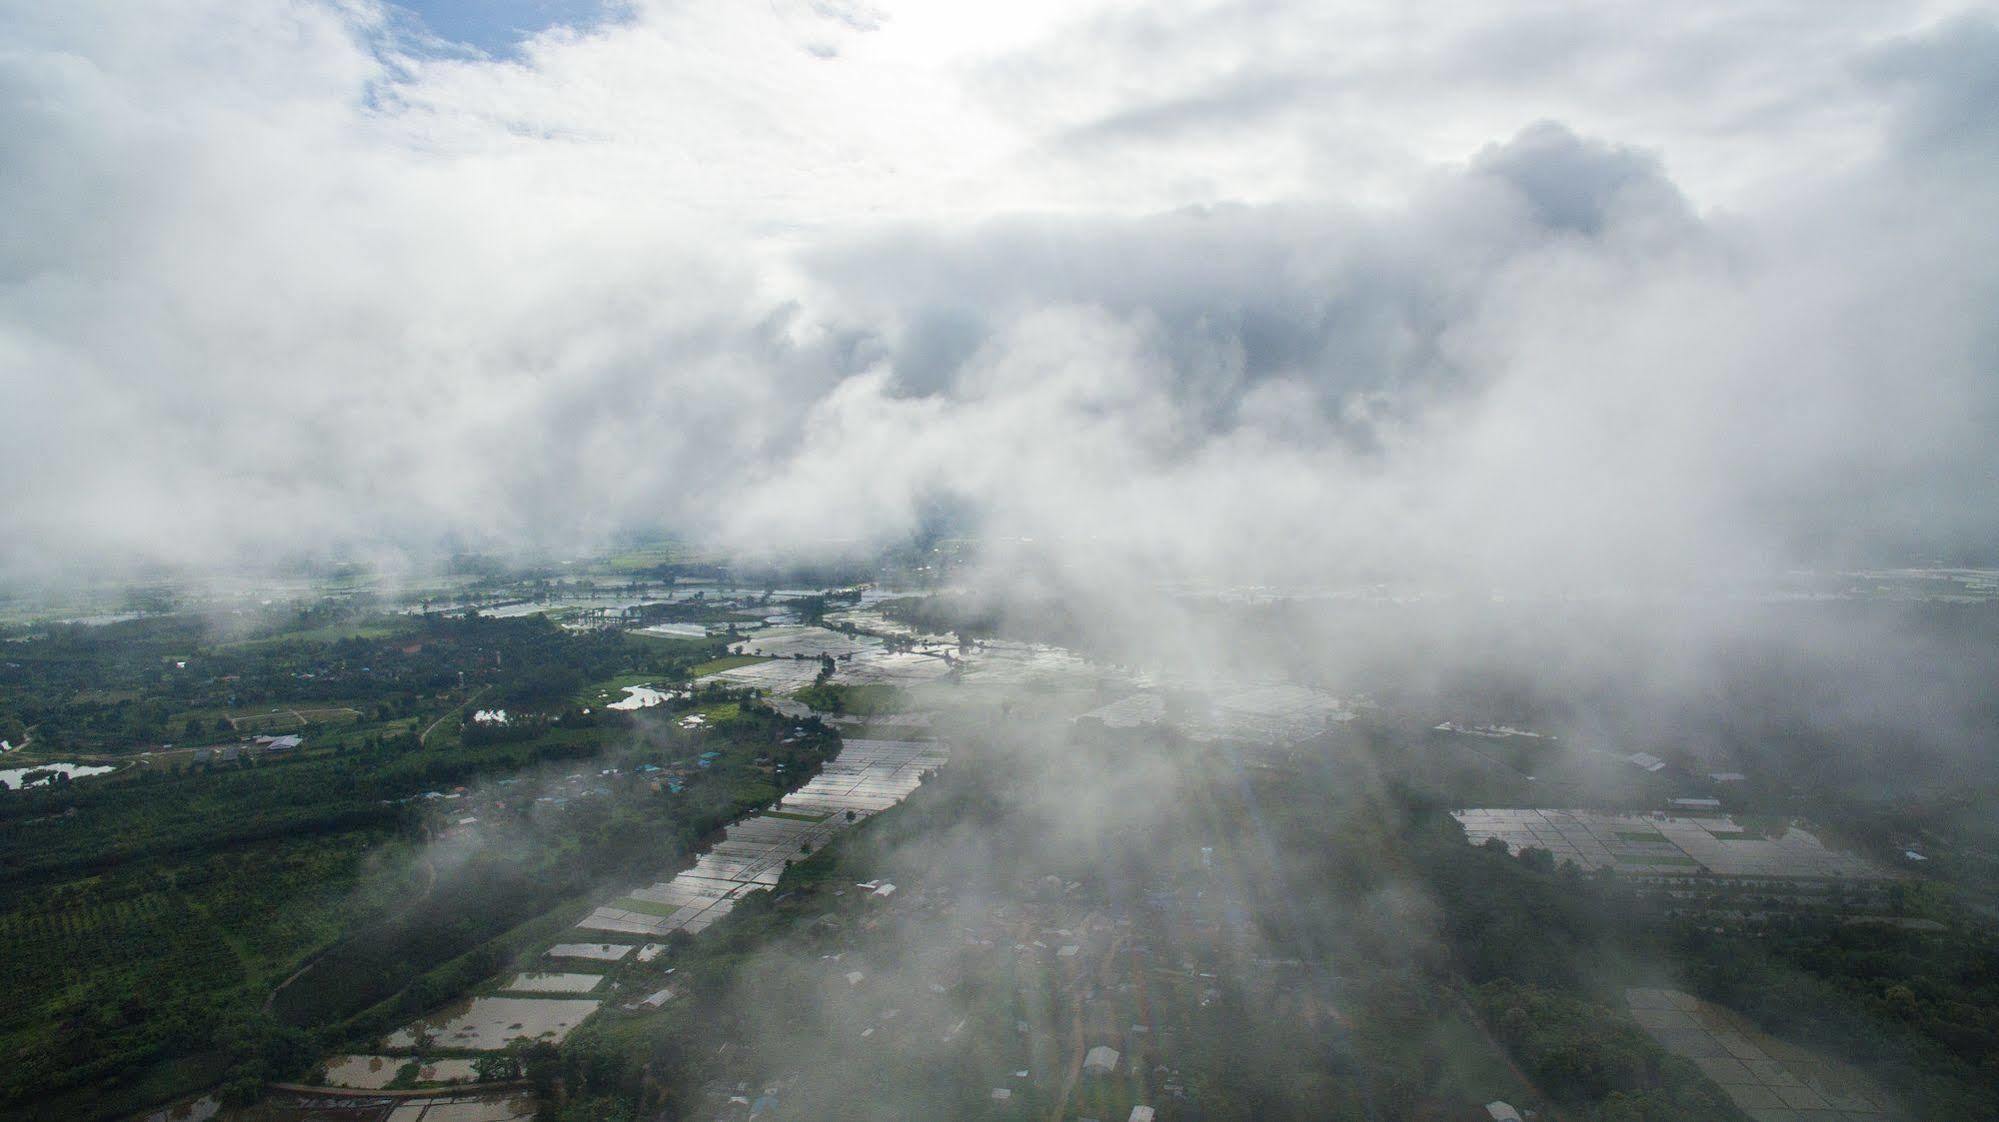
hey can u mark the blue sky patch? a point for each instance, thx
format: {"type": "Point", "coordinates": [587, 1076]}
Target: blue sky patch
{"type": "Point", "coordinates": [498, 26]}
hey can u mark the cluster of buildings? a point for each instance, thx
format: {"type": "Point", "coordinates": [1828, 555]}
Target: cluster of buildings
{"type": "Point", "coordinates": [230, 753]}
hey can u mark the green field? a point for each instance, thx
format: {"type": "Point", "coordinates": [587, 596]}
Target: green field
{"type": "Point", "coordinates": [149, 914]}
{"type": "Point", "coordinates": [726, 662]}
{"type": "Point", "coordinates": [786, 814]}
{"type": "Point", "coordinates": [855, 701]}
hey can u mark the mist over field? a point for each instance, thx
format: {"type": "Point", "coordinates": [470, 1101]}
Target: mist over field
{"type": "Point", "coordinates": [1281, 426]}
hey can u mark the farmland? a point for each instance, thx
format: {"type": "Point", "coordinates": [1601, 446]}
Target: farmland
{"type": "Point", "coordinates": [151, 913]}
{"type": "Point", "coordinates": [496, 831]}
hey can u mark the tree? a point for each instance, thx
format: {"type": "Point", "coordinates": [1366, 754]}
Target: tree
{"type": "Point", "coordinates": [499, 1067]}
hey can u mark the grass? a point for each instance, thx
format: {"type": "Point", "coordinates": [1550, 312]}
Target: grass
{"type": "Point", "coordinates": [721, 712]}
{"type": "Point", "coordinates": [256, 722]}
{"type": "Point", "coordinates": [863, 701]}
{"type": "Point", "coordinates": [854, 701]}
{"type": "Point", "coordinates": [378, 627]}
{"type": "Point", "coordinates": [677, 648]}
{"type": "Point", "coordinates": [159, 1083]}
{"type": "Point", "coordinates": [726, 662]}
{"type": "Point", "coordinates": [339, 712]}
{"type": "Point", "coordinates": [104, 697]}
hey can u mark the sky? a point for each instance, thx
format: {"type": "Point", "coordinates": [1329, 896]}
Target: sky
{"type": "Point", "coordinates": [498, 27]}
{"type": "Point", "coordinates": [1487, 294]}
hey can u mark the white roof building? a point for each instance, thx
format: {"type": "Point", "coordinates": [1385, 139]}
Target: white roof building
{"type": "Point", "coordinates": [1102, 1060]}
{"type": "Point", "coordinates": [1502, 1112]}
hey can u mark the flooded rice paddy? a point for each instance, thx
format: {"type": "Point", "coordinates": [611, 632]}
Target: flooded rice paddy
{"type": "Point", "coordinates": [1261, 714]}
{"type": "Point", "coordinates": [536, 982]}
{"type": "Point", "coordinates": [372, 1073]}
{"type": "Point", "coordinates": [806, 641]}
{"type": "Point", "coordinates": [1664, 844]}
{"type": "Point", "coordinates": [867, 777]}
{"type": "Point", "coordinates": [1771, 1081]}
{"type": "Point", "coordinates": [361, 1105]}
{"type": "Point", "coordinates": [596, 952]}
{"type": "Point", "coordinates": [675, 630]}
{"type": "Point", "coordinates": [488, 1024]}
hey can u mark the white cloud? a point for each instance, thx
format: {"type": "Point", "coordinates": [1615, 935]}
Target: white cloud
{"type": "Point", "coordinates": [795, 271]}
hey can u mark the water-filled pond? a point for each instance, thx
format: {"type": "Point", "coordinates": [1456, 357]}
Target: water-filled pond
{"type": "Point", "coordinates": [12, 777]}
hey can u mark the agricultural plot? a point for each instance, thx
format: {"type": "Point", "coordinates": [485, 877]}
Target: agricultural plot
{"type": "Point", "coordinates": [780, 675]}
{"type": "Point", "coordinates": [55, 952]}
{"type": "Point", "coordinates": [1136, 711]}
{"type": "Point", "coordinates": [726, 662]}
{"type": "Point", "coordinates": [465, 1108]}
{"type": "Point", "coordinates": [675, 630]}
{"type": "Point", "coordinates": [1268, 714]}
{"type": "Point", "coordinates": [564, 606]}
{"type": "Point", "coordinates": [595, 952]}
{"type": "Point", "coordinates": [806, 641]}
{"type": "Point", "coordinates": [336, 713]}
{"type": "Point", "coordinates": [868, 776]}
{"type": "Point", "coordinates": [1665, 845]}
{"type": "Point", "coordinates": [871, 620]}
{"type": "Point", "coordinates": [538, 982]}
{"type": "Point", "coordinates": [868, 667]}
{"type": "Point", "coordinates": [887, 723]}
{"type": "Point", "coordinates": [368, 1104]}
{"type": "Point", "coordinates": [291, 720]}
{"type": "Point", "coordinates": [900, 668]}
{"type": "Point", "coordinates": [1488, 732]}
{"type": "Point", "coordinates": [372, 1073]}
{"type": "Point", "coordinates": [1278, 714]}
{"type": "Point", "coordinates": [1770, 1080]}
{"type": "Point", "coordinates": [488, 1024]}
{"type": "Point", "coordinates": [996, 662]}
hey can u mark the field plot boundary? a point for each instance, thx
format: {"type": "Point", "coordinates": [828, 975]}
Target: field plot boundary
{"type": "Point", "coordinates": [1666, 845]}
